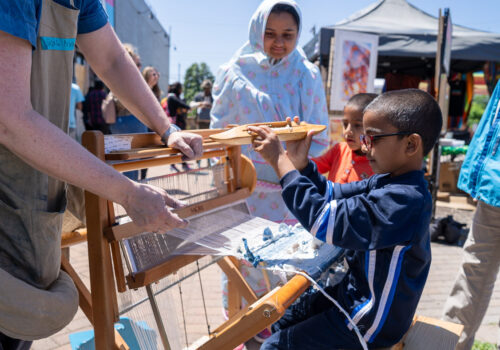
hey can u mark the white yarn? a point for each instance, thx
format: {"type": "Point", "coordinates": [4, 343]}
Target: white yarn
{"type": "Point", "coordinates": [354, 326]}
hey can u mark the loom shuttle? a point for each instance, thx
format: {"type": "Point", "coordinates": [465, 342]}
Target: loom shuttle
{"type": "Point", "coordinates": [291, 131]}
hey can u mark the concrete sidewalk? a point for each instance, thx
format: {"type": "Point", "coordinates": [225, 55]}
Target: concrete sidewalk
{"type": "Point", "coordinates": [445, 265]}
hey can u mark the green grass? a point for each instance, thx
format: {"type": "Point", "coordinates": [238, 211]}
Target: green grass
{"type": "Point", "coordinates": [478, 345]}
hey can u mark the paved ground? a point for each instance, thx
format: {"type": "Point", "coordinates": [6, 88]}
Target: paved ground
{"type": "Point", "coordinates": [446, 260]}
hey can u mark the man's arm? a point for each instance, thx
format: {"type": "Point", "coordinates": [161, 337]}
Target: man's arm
{"type": "Point", "coordinates": [109, 60]}
{"type": "Point", "coordinates": [115, 67]}
{"type": "Point", "coordinates": [45, 147]}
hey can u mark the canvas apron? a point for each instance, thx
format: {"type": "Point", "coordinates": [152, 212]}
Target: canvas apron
{"type": "Point", "coordinates": [37, 299]}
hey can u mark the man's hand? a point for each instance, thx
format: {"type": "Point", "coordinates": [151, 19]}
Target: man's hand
{"type": "Point", "coordinates": [270, 148]}
{"type": "Point", "coordinates": [297, 151]}
{"type": "Point", "coordinates": [191, 145]}
{"type": "Point", "coordinates": [148, 207]}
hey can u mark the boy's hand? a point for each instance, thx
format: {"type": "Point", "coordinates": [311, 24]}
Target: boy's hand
{"type": "Point", "coordinates": [267, 144]}
{"type": "Point", "coordinates": [270, 148]}
{"type": "Point", "coordinates": [297, 151]}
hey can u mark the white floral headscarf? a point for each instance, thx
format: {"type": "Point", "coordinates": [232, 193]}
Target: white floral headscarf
{"type": "Point", "coordinates": [251, 88]}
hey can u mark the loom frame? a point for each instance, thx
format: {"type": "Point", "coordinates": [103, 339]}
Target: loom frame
{"type": "Point", "coordinates": [107, 273]}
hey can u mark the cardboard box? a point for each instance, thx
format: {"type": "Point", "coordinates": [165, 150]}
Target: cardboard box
{"type": "Point", "coordinates": [448, 176]}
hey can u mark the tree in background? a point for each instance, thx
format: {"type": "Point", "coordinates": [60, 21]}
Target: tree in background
{"type": "Point", "coordinates": [195, 75]}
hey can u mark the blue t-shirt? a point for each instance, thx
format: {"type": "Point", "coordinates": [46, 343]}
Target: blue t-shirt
{"type": "Point", "coordinates": [22, 17]}
{"type": "Point", "coordinates": [75, 97]}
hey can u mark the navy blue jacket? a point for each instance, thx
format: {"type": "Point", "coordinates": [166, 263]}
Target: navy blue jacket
{"type": "Point", "coordinates": [383, 224]}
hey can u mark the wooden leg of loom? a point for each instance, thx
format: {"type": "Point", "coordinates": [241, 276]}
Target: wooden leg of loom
{"type": "Point", "coordinates": [101, 277]}
{"type": "Point", "coordinates": [104, 302]}
{"type": "Point", "coordinates": [85, 300]}
{"type": "Point", "coordinates": [237, 287]}
{"type": "Point", "coordinates": [257, 316]}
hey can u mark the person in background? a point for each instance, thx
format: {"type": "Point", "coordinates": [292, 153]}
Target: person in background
{"type": "Point", "coordinates": [38, 159]}
{"type": "Point", "coordinates": [177, 111]}
{"type": "Point", "coordinates": [119, 119]}
{"type": "Point", "coordinates": [345, 161]}
{"type": "Point", "coordinates": [457, 102]}
{"type": "Point", "coordinates": [76, 126]}
{"type": "Point", "coordinates": [92, 107]}
{"type": "Point", "coordinates": [151, 75]}
{"type": "Point", "coordinates": [266, 80]}
{"type": "Point", "coordinates": [177, 107]}
{"type": "Point", "coordinates": [480, 178]}
{"type": "Point", "coordinates": [203, 103]}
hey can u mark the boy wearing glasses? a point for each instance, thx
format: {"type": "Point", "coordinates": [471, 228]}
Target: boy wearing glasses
{"type": "Point", "coordinates": [382, 222]}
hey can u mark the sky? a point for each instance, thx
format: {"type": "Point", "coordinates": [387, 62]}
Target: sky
{"type": "Point", "coordinates": [211, 31]}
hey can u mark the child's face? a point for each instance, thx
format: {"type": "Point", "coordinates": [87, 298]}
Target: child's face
{"type": "Point", "coordinates": [352, 127]}
{"type": "Point", "coordinates": [280, 35]}
{"type": "Point", "coordinates": [387, 154]}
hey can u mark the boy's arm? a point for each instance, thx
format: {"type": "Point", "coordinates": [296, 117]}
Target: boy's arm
{"type": "Point", "coordinates": [350, 215]}
{"type": "Point", "coordinates": [376, 219]}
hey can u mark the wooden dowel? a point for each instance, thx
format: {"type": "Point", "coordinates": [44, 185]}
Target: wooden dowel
{"type": "Point", "coordinates": [153, 162]}
{"type": "Point", "coordinates": [74, 237]}
{"type": "Point", "coordinates": [155, 151]}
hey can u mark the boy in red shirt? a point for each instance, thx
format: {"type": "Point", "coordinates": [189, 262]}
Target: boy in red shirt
{"type": "Point", "coordinates": [345, 162]}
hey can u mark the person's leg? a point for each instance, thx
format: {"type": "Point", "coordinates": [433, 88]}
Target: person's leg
{"type": "Point", "coordinates": [72, 133]}
{"type": "Point", "coordinates": [309, 304]}
{"type": "Point", "coordinates": [8, 343]}
{"type": "Point", "coordinates": [324, 331]}
{"type": "Point", "coordinates": [472, 291]}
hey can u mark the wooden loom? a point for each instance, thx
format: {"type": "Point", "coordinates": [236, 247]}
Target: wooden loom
{"type": "Point", "coordinates": [107, 273]}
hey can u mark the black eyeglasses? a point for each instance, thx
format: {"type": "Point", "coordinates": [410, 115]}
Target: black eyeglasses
{"type": "Point", "coordinates": [367, 140]}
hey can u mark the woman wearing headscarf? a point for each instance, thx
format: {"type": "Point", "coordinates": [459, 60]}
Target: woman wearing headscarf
{"type": "Point", "coordinates": [267, 80]}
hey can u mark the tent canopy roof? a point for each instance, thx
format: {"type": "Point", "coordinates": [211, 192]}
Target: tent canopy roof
{"type": "Point", "coordinates": [407, 31]}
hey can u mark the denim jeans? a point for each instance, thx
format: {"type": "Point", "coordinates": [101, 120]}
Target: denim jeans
{"type": "Point", "coordinates": [128, 124]}
{"type": "Point", "coordinates": [7, 343]}
{"type": "Point", "coordinates": [312, 323]}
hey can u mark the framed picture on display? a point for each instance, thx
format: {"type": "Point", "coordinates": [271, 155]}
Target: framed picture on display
{"type": "Point", "coordinates": [354, 66]}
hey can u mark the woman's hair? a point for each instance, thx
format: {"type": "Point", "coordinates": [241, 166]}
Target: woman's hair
{"type": "Point", "coordinates": [280, 8]}
{"type": "Point", "coordinates": [156, 88]}
{"type": "Point", "coordinates": [132, 51]}
{"type": "Point", "coordinates": [206, 84]}
{"type": "Point", "coordinates": [175, 88]}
